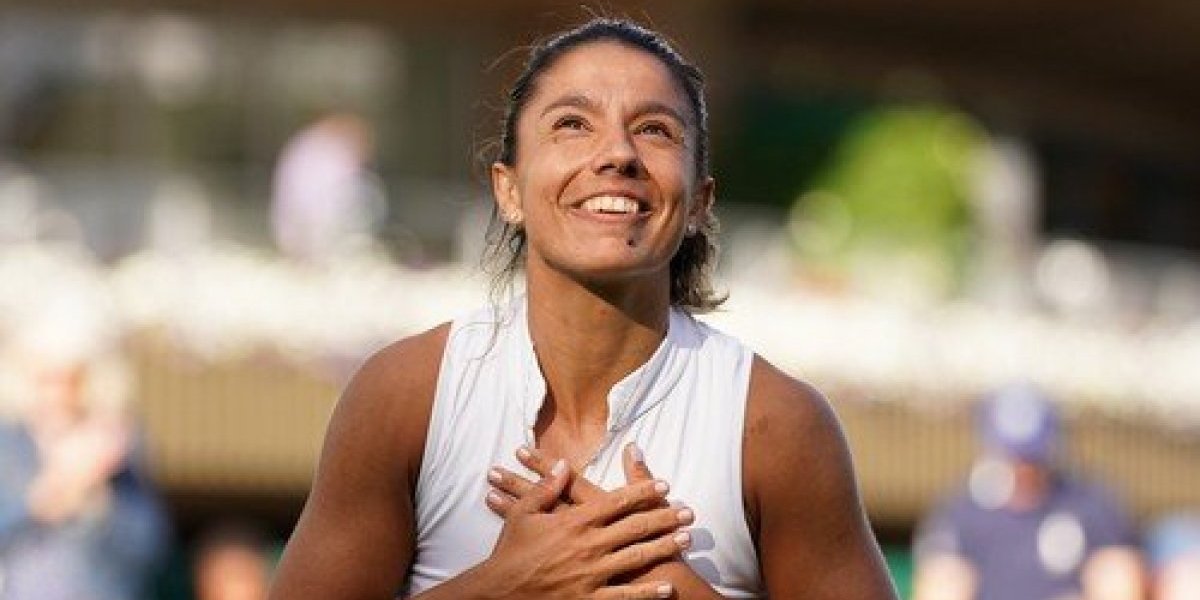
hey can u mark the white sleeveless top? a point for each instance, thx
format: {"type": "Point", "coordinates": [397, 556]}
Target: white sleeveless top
{"type": "Point", "coordinates": [685, 408]}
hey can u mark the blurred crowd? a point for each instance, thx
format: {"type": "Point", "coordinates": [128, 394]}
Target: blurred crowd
{"type": "Point", "coordinates": [80, 516]}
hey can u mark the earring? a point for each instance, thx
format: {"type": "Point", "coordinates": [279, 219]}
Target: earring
{"type": "Point", "coordinates": [691, 229]}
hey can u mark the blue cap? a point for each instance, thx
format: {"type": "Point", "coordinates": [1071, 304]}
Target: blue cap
{"type": "Point", "coordinates": [1020, 421]}
{"type": "Point", "coordinates": [1172, 537]}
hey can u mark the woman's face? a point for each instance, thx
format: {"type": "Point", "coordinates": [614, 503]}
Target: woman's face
{"type": "Point", "coordinates": [605, 178]}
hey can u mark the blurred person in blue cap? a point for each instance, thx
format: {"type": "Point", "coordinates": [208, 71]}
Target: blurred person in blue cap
{"type": "Point", "coordinates": [1024, 529]}
{"type": "Point", "coordinates": [1173, 545]}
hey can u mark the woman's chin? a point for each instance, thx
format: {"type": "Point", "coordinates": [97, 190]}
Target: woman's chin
{"type": "Point", "coordinates": [610, 268]}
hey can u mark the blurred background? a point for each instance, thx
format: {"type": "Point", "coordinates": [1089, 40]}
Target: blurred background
{"type": "Point", "coordinates": [210, 212]}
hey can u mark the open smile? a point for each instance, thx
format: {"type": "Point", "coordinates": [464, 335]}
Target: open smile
{"type": "Point", "coordinates": [613, 208]}
{"type": "Point", "coordinates": [614, 205]}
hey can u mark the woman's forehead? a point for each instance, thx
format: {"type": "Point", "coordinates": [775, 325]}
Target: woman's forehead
{"type": "Point", "coordinates": [607, 72]}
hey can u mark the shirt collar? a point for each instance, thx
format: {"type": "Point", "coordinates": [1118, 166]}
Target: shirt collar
{"type": "Point", "coordinates": [629, 398]}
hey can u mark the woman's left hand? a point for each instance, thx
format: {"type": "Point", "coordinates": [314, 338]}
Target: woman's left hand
{"type": "Point", "coordinates": [511, 487]}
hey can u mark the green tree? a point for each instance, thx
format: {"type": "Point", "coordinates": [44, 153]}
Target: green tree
{"type": "Point", "coordinates": [893, 205]}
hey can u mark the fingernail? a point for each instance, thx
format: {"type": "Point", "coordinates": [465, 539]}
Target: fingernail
{"type": "Point", "coordinates": [664, 590]}
{"type": "Point", "coordinates": [661, 487]}
{"type": "Point", "coordinates": [559, 468]}
{"type": "Point", "coordinates": [685, 516]}
{"type": "Point", "coordinates": [683, 539]}
{"type": "Point", "coordinates": [636, 453]}
{"type": "Point", "coordinates": [494, 497]}
{"type": "Point", "coordinates": [495, 476]}
{"type": "Point", "coordinates": [524, 452]}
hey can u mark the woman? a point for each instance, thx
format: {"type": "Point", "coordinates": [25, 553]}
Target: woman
{"type": "Point", "coordinates": [596, 372]}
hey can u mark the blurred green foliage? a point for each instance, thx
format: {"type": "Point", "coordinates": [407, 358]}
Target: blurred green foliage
{"type": "Point", "coordinates": [894, 198]}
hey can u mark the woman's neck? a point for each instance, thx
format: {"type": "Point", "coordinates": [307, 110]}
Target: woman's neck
{"type": "Point", "coordinates": [587, 338]}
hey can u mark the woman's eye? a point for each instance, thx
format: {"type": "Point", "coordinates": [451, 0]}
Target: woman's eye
{"type": "Point", "coordinates": [576, 123]}
{"type": "Point", "coordinates": [653, 128]}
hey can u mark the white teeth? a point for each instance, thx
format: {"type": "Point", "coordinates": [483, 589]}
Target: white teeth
{"type": "Point", "coordinates": [611, 204]}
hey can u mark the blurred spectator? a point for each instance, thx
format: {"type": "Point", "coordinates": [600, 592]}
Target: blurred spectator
{"type": "Point", "coordinates": [1024, 529]}
{"type": "Point", "coordinates": [323, 202]}
{"type": "Point", "coordinates": [1174, 548]}
{"type": "Point", "coordinates": [77, 517]}
{"type": "Point", "coordinates": [231, 563]}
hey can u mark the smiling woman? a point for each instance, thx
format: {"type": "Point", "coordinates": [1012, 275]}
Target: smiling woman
{"type": "Point", "coordinates": [605, 129]}
{"type": "Point", "coordinates": [508, 454]}
{"type": "Point", "coordinates": [680, 119]}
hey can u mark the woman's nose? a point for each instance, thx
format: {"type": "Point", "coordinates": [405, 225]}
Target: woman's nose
{"type": "Point", "coordinates": [618, 155]}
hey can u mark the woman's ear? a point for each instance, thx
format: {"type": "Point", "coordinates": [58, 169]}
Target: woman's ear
{"type": "Point", "coordinates": [504, 191]}
{"type": "Point", "coordinates": [702, 201]}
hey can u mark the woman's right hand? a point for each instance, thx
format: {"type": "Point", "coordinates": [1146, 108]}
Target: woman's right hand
{"type": "Point", "coordinates": [577, 551]}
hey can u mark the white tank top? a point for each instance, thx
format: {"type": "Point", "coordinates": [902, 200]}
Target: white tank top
{"type": "Point", "coordinates": [685, 408]}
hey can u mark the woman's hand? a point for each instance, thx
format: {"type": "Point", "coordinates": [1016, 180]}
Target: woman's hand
{"type": "Point", "coordinates": [511, 488]}
{"type": "Point", "coordinates": [577, 551]}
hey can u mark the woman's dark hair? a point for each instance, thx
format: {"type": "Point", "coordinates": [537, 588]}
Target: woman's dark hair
{"type": "Point", "coordinates": [692, 266]}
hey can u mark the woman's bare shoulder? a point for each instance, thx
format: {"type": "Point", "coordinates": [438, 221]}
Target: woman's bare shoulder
{"type": "Point", "coordinates": [406, 365]}
{"type": "Point", "coordinates": [809, 523]}
{"type": "Point", "coordinates": [791, 433]}
{"type": "Point", "coordinates": [390, 398]}
{"type": "Point", "coordinates": [781, 405]}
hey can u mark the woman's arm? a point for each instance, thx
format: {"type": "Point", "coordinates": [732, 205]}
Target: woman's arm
{"type": "Point", "coordinates": [812, 533]}
{"type": "Point", "coordinates": [354, 539]}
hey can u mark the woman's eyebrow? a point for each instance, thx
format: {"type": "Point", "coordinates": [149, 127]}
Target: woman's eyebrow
{"type": "Point", "coordinates": [652, 107]}
{"type": "Point", "coordinates": [645, 107]}
{"type": "Point", "coordinates": [573, 101]}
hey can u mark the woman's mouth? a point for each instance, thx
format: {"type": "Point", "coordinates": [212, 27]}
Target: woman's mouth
{"type": "Point", "coordinates": [613, 205]}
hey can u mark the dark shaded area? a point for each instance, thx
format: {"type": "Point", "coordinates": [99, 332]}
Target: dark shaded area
{"type": "Point", "coordinates": [1104, 194]}
{"type": "Point", "coordinates": [777, 141]}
